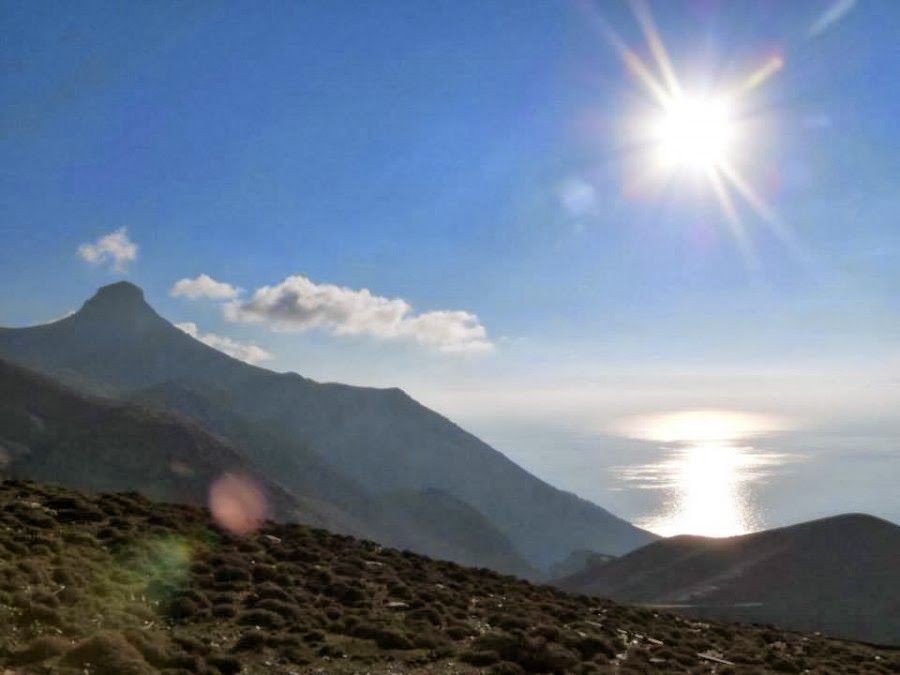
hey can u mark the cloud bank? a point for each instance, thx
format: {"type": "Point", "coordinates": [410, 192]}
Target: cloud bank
{"type": "Point", "coordinates": [114, 247]}
{"type": "Point", "coordinates": [299, 304]}
{"type": "Point", "coordinates": [248, 352]}
{"type": "Point", "coordinates": [204, 286]}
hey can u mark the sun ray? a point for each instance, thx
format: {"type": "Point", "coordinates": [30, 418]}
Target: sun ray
{"type": "Point", "coordinates": [643, 74]}
{"type": "Point", "coordinates": [648, 26]}
{"type": "Point", "coordinates": [769, 67]}
{"type": "Point", "coordinates": [634, 64]}
{"type": "Point", "coordinates": [779, 228]}
{"type": "Point", "coordinates": [734, 220]}
{"type": "Point", "coordinates": [766, 214]}
{"type": "Point", "coordinates": [755, 201]}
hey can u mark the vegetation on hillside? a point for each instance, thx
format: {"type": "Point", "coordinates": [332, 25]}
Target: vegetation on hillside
{"type": "Point", "coordinates": [117, 584]}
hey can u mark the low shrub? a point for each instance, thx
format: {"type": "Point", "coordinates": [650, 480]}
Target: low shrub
{"type": "Point", "coordinates": [182, 608]}
{"type": "Point", "coordinates": [261, 617]}
{"type": "Point", "coordinates": [285, 610]}
{"type": "Point", "coordinates": [428, 638]}
{"type": "Point", "coordinates": [108, 653]}
{"type": "Point", "coordinates": [480, 657]}
{"type": "Point", "coordinates": [424, 615]}
{"type": "Point", "coordinates": [313, 636]}
{"type": "Point", "coordinates": [231, 573]}
{"type": "Point", "coordinates": [153, 650]}
{"type": "Point", "coordinates": [264, 573]}
{"type": "Point", "coordinates": [38, 650]}
{"type": "Point", "coordinates": [250, 641]}
{"type": "Point", "coordinates": [226, 664]}
{"type": "Point", "coordinates": [458, 631]}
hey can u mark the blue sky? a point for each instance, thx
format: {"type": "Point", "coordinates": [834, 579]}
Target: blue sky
{"type": "Point", "coordinates": [474, 158]}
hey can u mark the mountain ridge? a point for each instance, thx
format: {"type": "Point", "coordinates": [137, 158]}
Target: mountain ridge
{"type": "Point", "coordinates": [382, 439]}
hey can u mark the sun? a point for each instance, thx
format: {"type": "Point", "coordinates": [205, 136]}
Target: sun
{"type": "Point", "coordinates": [694, 132]}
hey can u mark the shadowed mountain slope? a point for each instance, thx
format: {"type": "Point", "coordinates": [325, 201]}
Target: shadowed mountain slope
{"type": "Point", "coordinates": [838, 575]}
{"type": "Point", "coordinates": [379, 439]}
{"type": "Point", "coordinates": [113, 584]}
{"type": "Point", "coordinates": [298, 468]}
{"type": "Point", "coordinates": [429, 521]}
{"type": "Point", "coordinates": [449, 529]}
{"type": "Point", "coordinates": [51, 433]}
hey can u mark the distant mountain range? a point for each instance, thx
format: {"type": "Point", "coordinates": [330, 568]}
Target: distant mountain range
{"type": "Point", "coordinates": [379, 460]}
{"type": "Point", "coordinates": [839, 576]}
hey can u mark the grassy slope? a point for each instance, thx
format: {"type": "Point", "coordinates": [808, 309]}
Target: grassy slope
{"type": "Point", "coordinates": [130, 587]}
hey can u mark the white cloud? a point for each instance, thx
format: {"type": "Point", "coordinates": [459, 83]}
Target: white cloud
{"type": "Point", "coordinates": [204, 286]}
{"type": "Point", "coordinates": [299, 304]}
{"type": "Point", "coordinates": [250, 353]}
{"type": "Point", "coordinates": [114, 247]}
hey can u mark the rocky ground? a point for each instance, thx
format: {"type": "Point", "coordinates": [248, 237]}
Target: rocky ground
{"type": "Point", "coordinates": [118, 585]}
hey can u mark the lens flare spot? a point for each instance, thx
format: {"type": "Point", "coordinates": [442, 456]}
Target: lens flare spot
{"type": "Point", "coordinates": [237, 504]}
{"type": "Point", "coordinates": [160, 563]}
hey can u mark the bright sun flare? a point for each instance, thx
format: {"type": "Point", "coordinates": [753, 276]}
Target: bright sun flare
{"type": "Point", "coordinates": [695, 132]}
{"type": "Point", "coordinates": [708, 135]}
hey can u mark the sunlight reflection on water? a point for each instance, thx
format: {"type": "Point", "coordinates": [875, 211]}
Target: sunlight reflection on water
{"type": "Point", "coordinates": [707, 471]}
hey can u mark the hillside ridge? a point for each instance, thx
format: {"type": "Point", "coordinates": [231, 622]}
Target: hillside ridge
{"type": "Point", "coordinates": [835, 574]}
{"type": "Point", "coordinates": [379, 439]}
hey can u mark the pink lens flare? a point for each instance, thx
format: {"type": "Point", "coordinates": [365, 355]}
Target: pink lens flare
{"type": "Point", "coordinates": [237, 503]}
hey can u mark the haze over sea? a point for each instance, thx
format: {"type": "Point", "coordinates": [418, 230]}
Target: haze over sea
{"type": "Point", "coordinates": [851, 473]}
{"type": "Point", "coordinates": [752, 472]}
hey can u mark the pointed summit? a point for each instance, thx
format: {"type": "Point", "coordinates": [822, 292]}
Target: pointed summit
{"type": "Point", "coordinates": [115, 343]}
{"type": "Point", "coordinates": [121, 289]}
{"type": "Point", "coordinates": [122, 298]}
{"type": "Point", "coordinates": [119, 293]}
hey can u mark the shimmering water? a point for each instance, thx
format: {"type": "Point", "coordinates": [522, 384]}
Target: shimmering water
{"type": "Point", "coordinates": [715, 473]}
{"type": "Point", "coordinates": [706, 488]}
{"type": "Point", "coordinates": [706, 466]}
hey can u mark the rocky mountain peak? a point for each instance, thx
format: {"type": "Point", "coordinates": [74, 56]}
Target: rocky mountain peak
{"type": "Point", "coordinates": [120, 298]}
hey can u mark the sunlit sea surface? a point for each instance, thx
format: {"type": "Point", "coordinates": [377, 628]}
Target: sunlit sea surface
{"type": "Point", "coordinates": [706, 488]}
{"type": "Point", "coordinates": [712, 473]}
{"type": "Point", "coordinates": [707, 466]}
